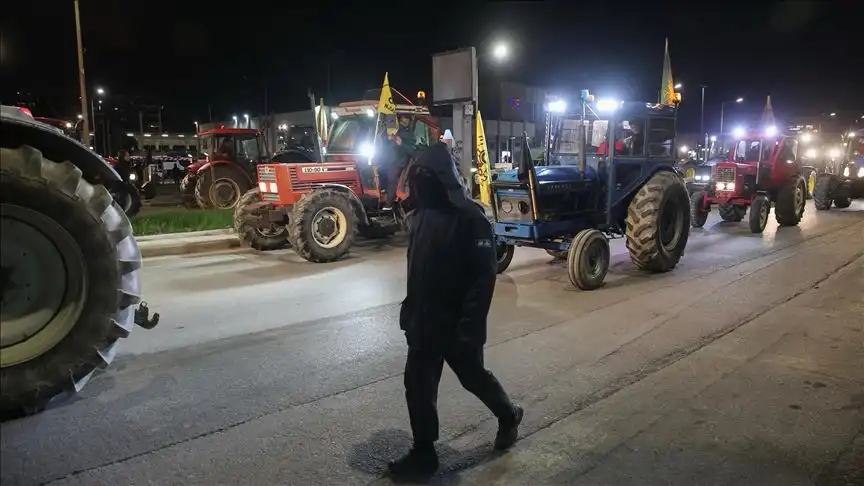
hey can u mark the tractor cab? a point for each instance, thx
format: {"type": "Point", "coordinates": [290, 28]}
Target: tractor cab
{"type": "Point", "coordinates": [244, 146]}
{"type": "Point", "coordinates": [353, 138]}
{"type": "Point", "coordinates": [572, 180]}
{"type": "Point", "coordinates": [757, 159]}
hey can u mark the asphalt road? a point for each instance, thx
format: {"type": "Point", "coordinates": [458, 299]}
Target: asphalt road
{"type": "Point", "coordinates": [266, 369]}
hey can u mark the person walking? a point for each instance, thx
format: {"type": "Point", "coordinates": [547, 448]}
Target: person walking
{"type": "Point", "coordinates": [452, 268]}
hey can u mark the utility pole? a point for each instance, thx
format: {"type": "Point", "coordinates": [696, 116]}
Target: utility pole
{"type": "Point", "coordinates": [702, 125]}
{"type": "Point", "coordinates": [82, 85]}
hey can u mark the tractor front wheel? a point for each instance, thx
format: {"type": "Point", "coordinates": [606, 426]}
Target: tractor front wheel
{"type": "Point", "coordinates": [322, 226]}
{"type": "Point", "coordinates": [698, 213]}
{"type": "Point", "coordinates": [588, 260]}
{"type": "Point", "coordinates": [759, 209]}
{"type": "Point", "coordinates": [822, 192]}
{"type": "Point", "coordinates": [790, 202]}
{"type": "Point", "coordinates": [504, 252]}
{"type": "Point", "coordinates": [271, 237]}
{"type": "Point", "coordinates": [658, 223]}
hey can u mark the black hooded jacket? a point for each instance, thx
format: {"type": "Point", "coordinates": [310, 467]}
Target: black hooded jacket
{"type": "Point", "coordinates": [451, 257]}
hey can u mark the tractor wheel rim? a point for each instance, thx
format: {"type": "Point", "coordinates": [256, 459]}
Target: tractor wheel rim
{"type": "Point", "coordinates": [594, 257]}
{"type": "Point", "coordinates": [44, 282]}
{"type": "Point", "coordinates": [224, 193]}
{"type": "Point", "coordinates": [670, 225]}
{"type": "Point", "coordinates": [329, 227]}
{"type": "Point", "coordinates": [811, 183]}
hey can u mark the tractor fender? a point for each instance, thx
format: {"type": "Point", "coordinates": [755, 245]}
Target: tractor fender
{"type": "Point", "coordinates": [355, 201]}
{"type": "Point", "coordinates": [18, 129]}
{"type": "Point", "coordinates": [224, 163]}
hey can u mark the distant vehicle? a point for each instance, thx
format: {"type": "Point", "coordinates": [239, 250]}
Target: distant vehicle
{"type": "Point", "coordinates": [839, 189]}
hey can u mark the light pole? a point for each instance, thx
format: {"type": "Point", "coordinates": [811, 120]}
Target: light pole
{"type": "Point", "coordinates": [99, 92]}
{"type": "Point", "coordinates": [722, 108]}
{"type": "Point", "coordinates": [702, 123]}
{"type": "Point", "coordinates": [82, 85]}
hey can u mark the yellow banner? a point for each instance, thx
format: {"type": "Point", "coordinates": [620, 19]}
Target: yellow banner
{"type": "Point", "coordinates": [484, 174]}
{"type": "Point", "coordinates": [385, 103]}
{"type": "Point", "coordinates": [667, 86]}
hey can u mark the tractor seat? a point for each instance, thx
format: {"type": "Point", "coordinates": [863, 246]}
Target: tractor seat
{"type": "Point", "coordinates": [565, 173]}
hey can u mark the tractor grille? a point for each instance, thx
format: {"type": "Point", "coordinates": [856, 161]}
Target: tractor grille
{"type": "Point", "coordinates": [725, 174]}
{"type": "Point", "coordinates": [299, 185]}
{"type": "Point", "coordinates": [270, 197]}
{"type": "Point", "coordinates": [266, 173]}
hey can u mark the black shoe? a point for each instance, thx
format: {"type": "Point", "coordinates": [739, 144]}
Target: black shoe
{"type": "Point", "coordinates": [509, 432]}
{"type": "Point", "coordinates": [419, 465]}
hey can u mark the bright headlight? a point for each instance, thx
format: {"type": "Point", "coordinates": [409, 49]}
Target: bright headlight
{"type": "Point", "coordinates": [834, 153]}
{"type": "Point", "coordinates": [133, 176]}
{"type": "Point", "coordinates": [846, 172]}
{"type": "Point", "coordinates": [860, 172]}
{"type": "Point", "coordinates": [810, 153]}
{"type": "Point", "coordinates": [367, 150]}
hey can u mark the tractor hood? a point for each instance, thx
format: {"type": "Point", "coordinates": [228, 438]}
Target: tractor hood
{"type": "Point", "coordinates": [194, 166]}
{"type": "Point", "coordinates": [440, 161]}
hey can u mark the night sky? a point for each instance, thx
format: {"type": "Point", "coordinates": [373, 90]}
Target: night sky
{"type": "Point", "coordinates": [186, 54]}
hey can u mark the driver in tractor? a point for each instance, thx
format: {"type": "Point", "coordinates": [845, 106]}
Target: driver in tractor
{"type": "Point", "coordinates": [405, 145]}
{"type": "Point", "coordinates": [225, 150]}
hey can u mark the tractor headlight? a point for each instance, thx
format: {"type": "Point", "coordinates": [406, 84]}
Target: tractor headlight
{"type": "Point", "coordinates": [861, 172]}
{"type": "Point", "coordinates": [834, 153]}
{"type": "Point", "coordinates": [810, 153]}
{"type": "Point", "coordinates": [725, 186]}
{"type": "Point", "coordinates": [367, 150]}
{"type": "Point", "coordinates": [133, 176]}
{"type": "Point", "coordinates": [513, 207]}
{"type": "Point", "coordinates": [846, 172]}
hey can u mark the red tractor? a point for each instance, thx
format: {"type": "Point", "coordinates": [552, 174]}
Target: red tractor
{"type": "Point", "coordinates": [225, 169]}
{"type": "Point", "coordinates": [318, 207]}
{"type": "Point", "coordinates": [761, 169]}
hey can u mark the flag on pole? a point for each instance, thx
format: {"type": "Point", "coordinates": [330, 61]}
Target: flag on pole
{"type": "Point", "coordinates": [768, 114]}
{"type": "Point", "coordinates": [483, 170]}
{"type": "Point", "coordinates": [386, 107]}
{"type": "Point", "coordinates": [667, 86]}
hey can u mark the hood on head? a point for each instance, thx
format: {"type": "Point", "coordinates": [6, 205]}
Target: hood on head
{"type": "Point", "coordinates": [439, 161]}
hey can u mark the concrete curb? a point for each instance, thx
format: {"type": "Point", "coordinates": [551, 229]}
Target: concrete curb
{"type": "Point", "coordinates": [187, 243]}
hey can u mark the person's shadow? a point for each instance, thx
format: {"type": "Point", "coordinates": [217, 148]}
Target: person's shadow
{"type": "Point", "coordinates": [373, 455]}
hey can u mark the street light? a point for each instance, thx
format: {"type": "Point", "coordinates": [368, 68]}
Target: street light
{"type": "Point", "coordinates": [100, 91]}
{"type": "Point", "coordinates": [246, 116]}
{"type": "Point", "coordinates": [501, 51]}
{"type": "Point", "coordinates": [722, 111]}
{"type": "Point", "coordinates": [713, 138]}
{"type": "Point", "coordinates": [833, 114]}
{"type": "Point", "coordinates": [235, 120]}
{"type": "Point", "coordinates": [678, 86]}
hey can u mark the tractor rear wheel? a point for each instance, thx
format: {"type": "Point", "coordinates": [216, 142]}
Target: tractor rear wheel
{"type": "Point", "coordinates": [323, 225]}
{"type": "Point", "coordinates": [760, 206]}
{"type": "Point", "coordinates": [272, 237]}
{"type": "Point", "coordinates": [790, 202]}
{"type": "Point", "coordinates": [731, 213]}
{"type": "Point", "coordinates": [504, 252]}
{"type": "Point", "coordinates": [698, 214]}
{"type": "Point", "coordinates": [220, 187]}
{"type": "Point", "coordinates": [69, 279]}
{"type": "Point", "coordinates": [588, 260]}
{"type": "Point", "coordinates": [658, 223]}
{"type": "Point", "coordinates": [822, 192]}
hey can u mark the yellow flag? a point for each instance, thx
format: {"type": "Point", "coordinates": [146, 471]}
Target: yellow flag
{"type": "Point", "coordinates": [386, 107]}
{"type": "Point", "coordinates": [667, 86]}
{"type": "Point", "coordinates": [484, 174]}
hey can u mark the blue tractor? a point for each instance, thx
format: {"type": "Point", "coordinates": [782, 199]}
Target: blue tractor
{"type": "Point", "coordinates": [588, 190]}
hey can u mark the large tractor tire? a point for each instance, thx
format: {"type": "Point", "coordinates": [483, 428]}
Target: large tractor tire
{"type": "Point", "coordinates": [131, 200]}
{"type": "Point", "coordinates": [69, 279]}
{"type": "Point", "coordinates": [791, 198]}
{"type": "Point", "coordinates": [823, 192]}
{"type": "Point", "coordinates": [658, 223]}
{"type": "Point", "coordinates": [220, 187]}
{"type": "Point", "coordinates": [323, 225]}
{"type": "Point", "coordinates": [731, 213]}
{"type": "Point", "coordinates": [760, 207]}
{"type": "Point", "coordinates": [273, 237]}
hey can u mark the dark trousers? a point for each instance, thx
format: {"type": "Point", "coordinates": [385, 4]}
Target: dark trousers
{"type": "Point", "coordinates": [393, 173]}
{"type": "Point", "coordinates": [423, 373]}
